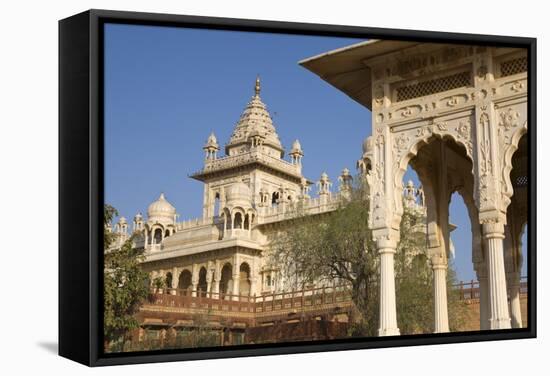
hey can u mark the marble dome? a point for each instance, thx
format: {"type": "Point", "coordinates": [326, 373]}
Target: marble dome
{"type": "Point", "coordinates": [239, 193]}
{"type": "Point", "coordinates": [161, 208]}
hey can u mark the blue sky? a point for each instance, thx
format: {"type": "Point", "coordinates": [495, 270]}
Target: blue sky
{"type": "Point", "coordinates": [167, 88]}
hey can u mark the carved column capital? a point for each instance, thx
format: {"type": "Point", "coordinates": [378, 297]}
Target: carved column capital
{"type": "Point", "coordinates": [492, 229]}
{"type": "Point", "coordinates": [438, 261]}
{"type": "Point", "coordinates": [386, 240]}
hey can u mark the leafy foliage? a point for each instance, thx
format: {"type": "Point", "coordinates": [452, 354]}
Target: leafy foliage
{"type": "Point", "coordinates": [125, 284]}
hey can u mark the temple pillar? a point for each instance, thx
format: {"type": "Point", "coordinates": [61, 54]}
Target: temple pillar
{"type": "Point", "coordinates": [175, 281]}
{"type": "Point", "coordinates": [216, 280]}
{"type": "Point", "coordinates": [515, 304]}
{"type": "Point", "coordinates": [236, 277]}
{"type": "Point", "coordinates": [513, 261]}
{"type": "Point", "coordinates": [493, 233]}
{"type": "Point", "coordinates": [236, 280]}
{"type": "Point", "coordinates": [253, 284]}
{"type": "Point", "coordinates": [388, 314]}
{"type": "Point", "coordinates": [195, 280]}
{"type": "Point", "coordinates": [441, 316]}
{"type": "Point", "coordinates": [481, 272]}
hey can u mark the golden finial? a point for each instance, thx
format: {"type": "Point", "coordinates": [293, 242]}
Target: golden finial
{"type": "Point", "coordinates": [257, 87]}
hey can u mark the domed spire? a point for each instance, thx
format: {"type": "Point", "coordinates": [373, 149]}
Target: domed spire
{"type": "Point", "coordinates": [324, 184]}
{"type": "Point", "coordinates": [255, 121]}
{"type": "Point", "coordinates": [211, 147]}
{"type": "Point", "coordinates": [296, 153]}
{"type": "Point", "coordinates": [212, 141]}
{"type": "Point", "coordinates": [296, 147]}
{"type": "Point", "coordinates": [345, 180]}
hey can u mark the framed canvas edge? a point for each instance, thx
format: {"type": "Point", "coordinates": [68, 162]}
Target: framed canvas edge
{"type": "Point", "coordinates": [91, 315]}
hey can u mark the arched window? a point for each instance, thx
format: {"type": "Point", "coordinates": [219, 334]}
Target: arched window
{"type": "Point", "coordinates": [225, 278]}
{"type": "Point", "coordinates": [274, 198]}
{"type": "Point", "coordinates": [184, 282]}
{"type": "Point", "coordinates": [238, 220]}
{"type": "Point", "coordinates": [217, 205]}
{"type": "Point", "coordinates": [246, 222]}
{"type": "Point", "coordinates": [244, 279]}
{"type": "Point", "coordinates": [168, 280]}
{"type": "Point", "coordinates": [158, 236]}
{"type": "Point", "coordinates": [203, 285]}
{"type": "Point", "coordinates": [167, 233]}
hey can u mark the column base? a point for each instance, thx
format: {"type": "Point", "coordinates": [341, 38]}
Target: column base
{"type": "Point", "coordinates": [504, 323]}
{"type": "Point", "coordinates": [388, 332]}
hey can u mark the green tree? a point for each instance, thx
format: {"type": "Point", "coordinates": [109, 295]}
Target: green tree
{"type": "Point", "coordinates": [125, 286]}
{"type": "Point", "coordinates": [337, 247]}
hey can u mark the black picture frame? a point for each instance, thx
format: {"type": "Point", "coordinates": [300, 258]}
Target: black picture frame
{"type": "Point", "coordinates": [81, 186]}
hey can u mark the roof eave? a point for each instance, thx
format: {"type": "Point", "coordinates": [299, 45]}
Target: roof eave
{"type": "Point", "coordinates": [347, 69]}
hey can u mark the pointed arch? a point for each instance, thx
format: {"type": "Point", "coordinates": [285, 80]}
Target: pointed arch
{"type": "Point", "coordinates": [508, 189]}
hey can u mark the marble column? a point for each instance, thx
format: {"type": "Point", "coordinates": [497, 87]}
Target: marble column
{"type": "Point", "coordinates": [498, 302]}
{"type": "Point", "coordinates": [175, 281]}
{"type": "Point", "coordinates": [253, 284]}
{"type": "Point", "coordinates": [483, 297]}
{"type": "Point", "coordinates": [515, 304]}
{"type": "Point", "coordinates": [195, 280]}
{"type": "Point", "coordinates": [215, 288]}
{"type": "Point", "coordinates": [236, 277]}
{"type": "Point", "coordinates": [236, 280]}
{"type": "Point", "coordinates": [441, 316]}
{"type": "Point", "coordinates": [216, 280]}
{"type": "Point", "coordinates": [388, 313]}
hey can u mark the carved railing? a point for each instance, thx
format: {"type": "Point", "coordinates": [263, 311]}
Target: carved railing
{"type": "Point", "coordinates": [470, 290]}
{"type": "Point", "coordinates": [197, 222]}
{"type": "Point", "coordinates": [307, 299]}
{"type": "Point", "coordinates": [310, 206]}
{"type": "Point", "coordinates": [226, 162]}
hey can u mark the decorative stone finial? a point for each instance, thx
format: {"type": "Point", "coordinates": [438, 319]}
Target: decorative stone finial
{"type": "Point", "coordinates": [257, 87]}
{"type": "Point", "coordinates": [296, 147]}
{"type": "Point", "coordinates": [211, 147]}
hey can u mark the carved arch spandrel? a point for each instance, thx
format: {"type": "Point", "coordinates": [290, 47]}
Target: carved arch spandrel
{"type": "Point", "coordinates": [508, 152]}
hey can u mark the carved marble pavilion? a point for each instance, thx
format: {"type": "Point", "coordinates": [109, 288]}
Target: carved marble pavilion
{"type": "Point", "coordinates": [457, 114]}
